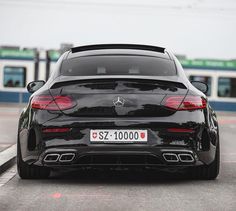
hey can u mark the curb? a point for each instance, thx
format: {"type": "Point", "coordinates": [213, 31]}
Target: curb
{"type": "Point", "coordinates": [7, 158]}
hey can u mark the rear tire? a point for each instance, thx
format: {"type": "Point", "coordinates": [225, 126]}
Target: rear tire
{"type": "Point", "coordinates": [208, 172]}
{"type": "Point", "coordinates": [27, 171]}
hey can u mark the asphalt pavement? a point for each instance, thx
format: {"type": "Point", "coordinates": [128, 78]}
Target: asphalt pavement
{"type": "Point", "coordinates": [122, 190]}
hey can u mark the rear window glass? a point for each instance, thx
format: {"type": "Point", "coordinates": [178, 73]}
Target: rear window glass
{"type": "Point", "coordinates": [118, 65]}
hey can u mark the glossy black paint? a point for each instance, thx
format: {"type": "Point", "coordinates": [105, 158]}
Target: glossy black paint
{"type": "Point", "coordinates": [94, 109]}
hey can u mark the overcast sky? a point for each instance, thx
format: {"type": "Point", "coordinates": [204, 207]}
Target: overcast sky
{"type": "Point", "coordinates": [196, 28]}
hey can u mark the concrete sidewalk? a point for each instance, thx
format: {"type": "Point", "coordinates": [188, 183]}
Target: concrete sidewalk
{"type": "Point", "coordinates": [7, 158]}
{"type": "Point", "coordinates": [4, 146]}
{"type": "Point", "coordinates": [9, 116]}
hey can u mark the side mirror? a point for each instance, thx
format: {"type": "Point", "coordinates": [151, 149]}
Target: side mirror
{"type": "Point", "coordinates": [34, 86]}
{"type": "Point", "coordinates": [200, 86]}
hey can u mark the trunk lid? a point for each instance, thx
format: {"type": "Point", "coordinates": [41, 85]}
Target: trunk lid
{"type": "Point", "coordinates": [118, 97]}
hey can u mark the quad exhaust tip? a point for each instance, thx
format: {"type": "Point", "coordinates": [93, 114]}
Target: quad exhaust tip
{"type": "Point", "coordinates": [67, 157]}
{"type": "Point", "coordinates": [171, 157]}
{"type": "Point", "coordinates": [53, 157]}
{"type": "Point", "coordinates": [180, 157]}
{"type": "Point", "coordinates": [186, 158]}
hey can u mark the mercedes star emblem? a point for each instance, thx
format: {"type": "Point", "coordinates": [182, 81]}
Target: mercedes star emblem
{"type": "Point", "coordinates": [119, 101]}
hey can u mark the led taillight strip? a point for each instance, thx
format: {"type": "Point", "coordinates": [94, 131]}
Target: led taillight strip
{"type": "Point", "coordinates": [55, 103]}
{"type": "Point", "coordinates": [185, 103]}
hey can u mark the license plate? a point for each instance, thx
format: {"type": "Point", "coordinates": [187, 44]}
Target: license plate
{"type": "Point", "coordinates": [118, 136]}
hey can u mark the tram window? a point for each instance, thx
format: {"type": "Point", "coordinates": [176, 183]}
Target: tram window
{"type": "Point", "coordinates": [205, 79]}
{"type": "Point", "coordinates": [226, 87]}
{"type": "Point", "coordinates": [14, 76]}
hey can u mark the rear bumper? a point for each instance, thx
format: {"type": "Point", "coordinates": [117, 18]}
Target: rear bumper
{"type": "Point", "coordinates": [123, 156]}
{"type": "Point", "coordinates": [160, 141]}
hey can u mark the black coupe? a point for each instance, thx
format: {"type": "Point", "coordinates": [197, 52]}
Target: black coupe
{"type": "Point", "coordinates": [118, 105]}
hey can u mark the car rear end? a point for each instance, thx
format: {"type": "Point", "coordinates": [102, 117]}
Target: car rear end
{"type": "Point", "coordinates": [120, 109]}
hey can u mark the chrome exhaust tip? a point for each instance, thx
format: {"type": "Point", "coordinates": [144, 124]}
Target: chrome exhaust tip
{"type": "Point", "coordinates": [49, 158]}
{"type": "Point", "coordinates": [67, 157]}
{"type": "Point", "coordinates": [186, 158]}
{"type": "Point", "coordinates": [170, 157]}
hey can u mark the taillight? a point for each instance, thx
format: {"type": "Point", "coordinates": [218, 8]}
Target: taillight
{"type": "Point", "coordinates": [64, 102]}
{"type": "Point", "coordinates": [193, 103]}
{"type": "Point", "coordinates": [173, 102]}
{"type": "Point", "coordinates": [185, 103]}
{"type": "Point", "coordinates": [47, 102]}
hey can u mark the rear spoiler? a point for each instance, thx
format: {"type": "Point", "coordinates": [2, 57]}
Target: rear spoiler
{"type": "Point", "coordinates": [118, 46]}
{"type": "Point", "coordinates": [71, 81]}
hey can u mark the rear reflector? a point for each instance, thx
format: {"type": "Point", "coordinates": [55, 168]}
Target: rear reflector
{"type": "Point", "coordinates": [185, 103]}
{"type": "Point", "coordinates": [56, 130]}
{"type": "Point", "coordinates": [180, 130]}
{"type": "Point", "coordinates": [47, 102]}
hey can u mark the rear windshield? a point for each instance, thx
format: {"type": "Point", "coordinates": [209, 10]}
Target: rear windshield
{"type": "Point", "coordinates": [118, 65]}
